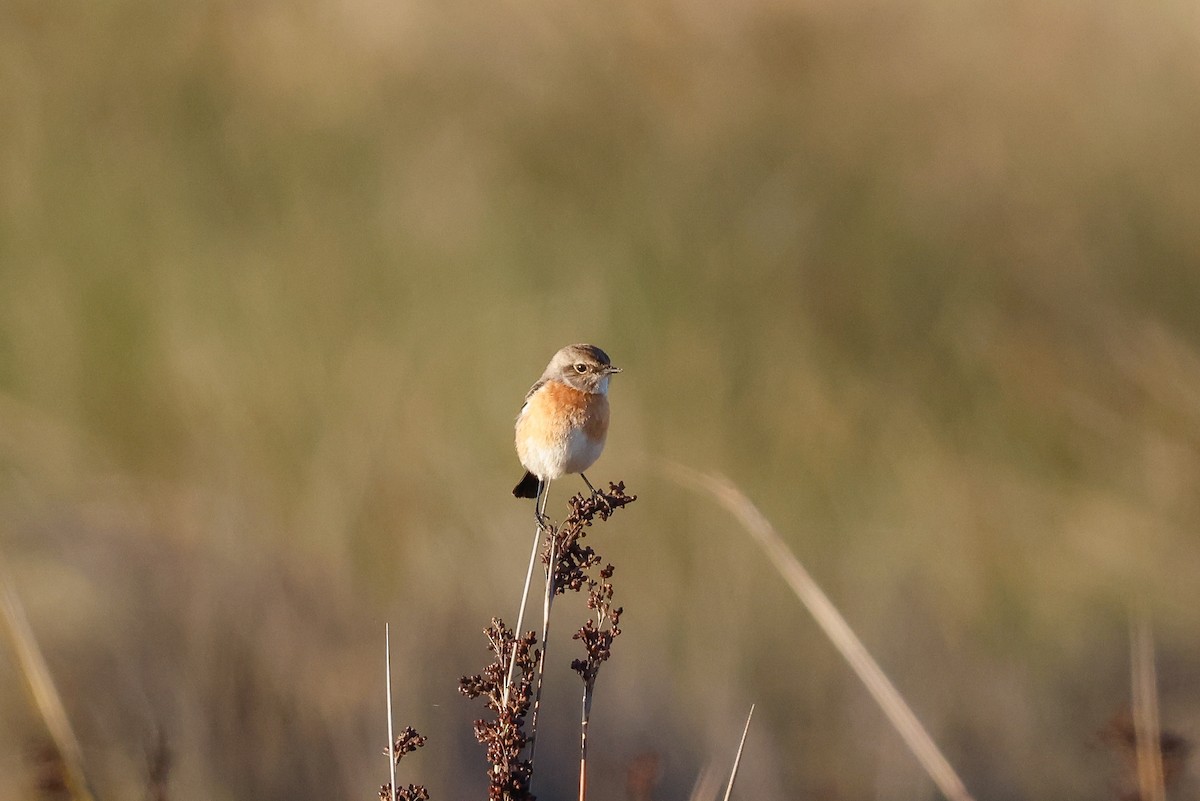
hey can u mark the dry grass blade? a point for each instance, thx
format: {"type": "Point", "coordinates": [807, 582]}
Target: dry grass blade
{"type": "Point", "coordinates": [537, 539]}
{"type": "Point", "coordinates": [833, 624]}
{"type": "Point", "coordinates": [706, 787]}
{"type": "Point", "coordinates": [737, 760]}
{"type": "Point", "coordinates": [1146, 728]}
{"type": "Point", "coordinates": [547, 602]}
{"type": "Point", "coordinates": [387, 647]}
{"type": "Point", "coordinates": [41, 688]}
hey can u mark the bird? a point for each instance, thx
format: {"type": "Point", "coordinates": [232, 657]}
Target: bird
{"type": "Point", "coordinates": [563, 422]}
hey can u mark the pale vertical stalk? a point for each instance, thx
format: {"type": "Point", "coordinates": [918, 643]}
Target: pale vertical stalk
{"type": "Point", "coordinates": [583, 739]}
{"type": "Point", "coordinates": [547, 602]}
{"type": "Point", "coordinates": [41, 688]}
{"type": "Point", "coordinates": [387, 647]}
{"type": "Point", "coordinates": [894, 707]}
{"type": "Point", "coordinates": [705, 788]}
{"type": "Point", "coordinates": [737, 760]}
{"type": "Point", "coordinates": [512, 657]}
{"type": "Point", "coordinates": [1146, 727]}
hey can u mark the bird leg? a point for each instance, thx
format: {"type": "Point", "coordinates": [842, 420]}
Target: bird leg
{"type": "Point", "coordinates": [539, 505]}
{"type": "Point", "coordinates": [597, 494]}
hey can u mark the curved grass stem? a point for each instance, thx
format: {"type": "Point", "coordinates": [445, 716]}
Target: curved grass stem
{"type": "Point", "coordinates": [835, 627]}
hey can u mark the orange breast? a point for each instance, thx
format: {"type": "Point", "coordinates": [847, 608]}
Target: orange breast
{"type": "Point", "coordinates": [555, 409]}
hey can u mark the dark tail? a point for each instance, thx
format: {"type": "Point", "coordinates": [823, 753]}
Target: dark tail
{"type": "Point", "coordinates": [528, 486]}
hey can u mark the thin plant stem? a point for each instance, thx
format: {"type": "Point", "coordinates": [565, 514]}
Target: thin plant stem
{"type": "Point", "coordinates": [583, 739]}
{"type": "Point", "coordinates": [737, 760]}
{"type": "Point", "coordinates": [547, 602]}
{"type": "Point", "coordinates": [387, 640]}
{"type": "Point", "coordinates": [537, 541]}
{"type": "Point", "coordinates": [1146, 727]}
{"type": "Point", "coordinates": [41, 688]}
{"type": "Point", "coordinates": [705, 787]}
{"type": "Point", "coordinates": [835, 627]}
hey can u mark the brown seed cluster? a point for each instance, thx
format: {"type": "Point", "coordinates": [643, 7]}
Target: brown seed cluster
{"type": "Point", "coordinates": [504, 737]}
{"type": "Point", "coordinates": [506, 684]}
{"type": "Point", "coordinates": [598, 631]}
{"type": "Point", "coordinates": [572, 560]}
{"type": "Point", "coordinates": [413, 792]}
{"type": "Point", "coordinates": [406, 742]}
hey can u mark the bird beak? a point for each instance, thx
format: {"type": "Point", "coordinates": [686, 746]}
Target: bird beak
{"type": "Point", "coordinates": [612, 369]}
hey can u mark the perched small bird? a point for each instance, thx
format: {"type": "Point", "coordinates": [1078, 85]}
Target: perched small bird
{"type": "Point", "coordinates": [562, 426]}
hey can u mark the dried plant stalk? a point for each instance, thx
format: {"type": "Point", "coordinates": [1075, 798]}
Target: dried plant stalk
{"type": "Point", "coordinates": [833, 624]}
{"type": "Point", "coordinates": [737, 760]}
{"type": "Point", "coordinates": [41, 689]}
{"type": "Point", "coordinates": [1146, 727]}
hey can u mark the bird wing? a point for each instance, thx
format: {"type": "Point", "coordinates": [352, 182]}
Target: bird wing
{"type": "Point", "coordinates": [541, 382]}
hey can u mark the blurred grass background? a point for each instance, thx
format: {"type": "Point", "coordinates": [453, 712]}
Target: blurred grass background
{"type": "Point", "coordinates": [921, 278]}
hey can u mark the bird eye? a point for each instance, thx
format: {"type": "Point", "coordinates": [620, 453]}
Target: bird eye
{"type": "Point", "coordinates": [581, 368]}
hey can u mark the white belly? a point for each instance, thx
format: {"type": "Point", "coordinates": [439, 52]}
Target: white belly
{"type": "Point", "coordinates": [574, 454]}
{"type": "Point", "coordinates": [582, 452]}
